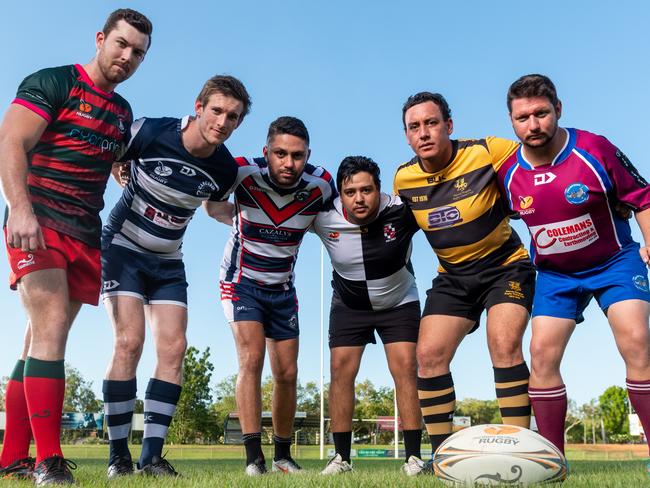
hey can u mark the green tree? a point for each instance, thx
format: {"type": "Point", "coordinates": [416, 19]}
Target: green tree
{"type": "Point", "coordinates": [3, 389]}
{"type": "Point", "coordinates": [192, 420]}
{"type": "Point", "coordinates": [79, 396]}
{"type": "Point", "coordinates": [480, 411]}
{"type": "Point", "coordinates": [225, 403]}
{"type": "Point", "coordinates": [309, 398]}
{"type": "Point", "coordinates": [614, 406]}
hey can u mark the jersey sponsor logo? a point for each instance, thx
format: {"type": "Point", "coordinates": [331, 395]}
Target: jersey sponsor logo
{"type": "Point", "coordinates": [444, 217]}
{"type": "Point", "coordinates": [641, 282]}
{"type": "Point", "coordinates": [163, 219]}
{"type": "Point", "coordinates": [103, 143]}
{"type": "Point", "coordinates": [28, 261]}
{"type": "Point", "coordinates": [162, 170]}
{"type": "Point", "coordinates": [302, 195]}
{"type": "Point", "coordinates": [565, 236]}
{"type": "Point", "coordinates": [390, 234]}
{"type": "Point", "coordinates": [576, 193]}
{"type": "Point", "coordinates": [525, 204]}
{"type": "Point", "coordinates": [544, 178]}
{"type": "Point", "coordinates": [110, 284]}
{"type": "Point", "coordinates": [420, 198]}
{"type": "Point", "coordinates": [187, 171]}
{"type": "Point", "coordinates": [435, 179]}
{"type": "Point", "coordinates": [206, 188]}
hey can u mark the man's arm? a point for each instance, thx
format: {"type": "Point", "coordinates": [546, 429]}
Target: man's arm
{"type": "Point", "coordinates": [220, 211]}
{"type": "Point", "coordinates": [20, 132]}
{"type": "Point", "coordinates": [643, 219]}
{"type": "Point", "coordinates": [121, 173]}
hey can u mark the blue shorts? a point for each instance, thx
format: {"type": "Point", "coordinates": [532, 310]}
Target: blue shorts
{"type": "Point", "coordinates": [275, 309]}
{"type": "Point", "coordinates": [146, 276]}
{"type": "Point", "coordinates": [622, 277]}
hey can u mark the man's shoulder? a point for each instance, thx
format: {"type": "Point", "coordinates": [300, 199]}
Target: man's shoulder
{"type": "Point", "coordinates": [589, 141]}
{"type": "Point", "coordinates": [317, 172]}
{"type": "Point", "coordinates": [410, 165]}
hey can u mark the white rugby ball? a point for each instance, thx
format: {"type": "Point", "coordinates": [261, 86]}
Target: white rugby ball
{"type": "Point", "coordinates": [497, 454]}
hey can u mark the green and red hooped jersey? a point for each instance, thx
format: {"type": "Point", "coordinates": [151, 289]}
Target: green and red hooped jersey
{"type": "Point", "coordinates": [70, 165]}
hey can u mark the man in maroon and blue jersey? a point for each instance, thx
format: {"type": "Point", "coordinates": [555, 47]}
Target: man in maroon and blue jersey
{"type": "Point", "coordinates": [276, 201]}
{"type": "Point", "coordinates": [58, 142]}
{"type": "Point", "coordinates": [568, 186]}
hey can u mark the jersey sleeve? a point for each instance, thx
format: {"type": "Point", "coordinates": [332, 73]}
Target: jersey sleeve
{"type": "Point", "coordinates": [629, 186]}
{"type": "Point", "coordinates": [329, 193]}
{"type": "Point", "coordinates": [500, 149]}
{"type": "Point", "coordinates": [137, 140]}
{"type": "Point", "coordinates": [44, 92]}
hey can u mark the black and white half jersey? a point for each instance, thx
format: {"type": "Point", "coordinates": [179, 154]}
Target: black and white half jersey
{"type": "Point", "coordinates": [372, 267]}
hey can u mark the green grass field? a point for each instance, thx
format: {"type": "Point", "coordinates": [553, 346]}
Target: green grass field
{"type": "Point", "coordinates": [223, 466]}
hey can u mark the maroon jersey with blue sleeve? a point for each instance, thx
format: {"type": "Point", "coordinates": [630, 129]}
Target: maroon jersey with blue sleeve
{"type": "Point", "coordinates": [71, 163]}
{"type": "Point", "coordinates": [568, 204]}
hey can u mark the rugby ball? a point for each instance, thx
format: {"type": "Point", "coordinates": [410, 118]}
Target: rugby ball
{"type": "Point", "coordinates": [497, 454]}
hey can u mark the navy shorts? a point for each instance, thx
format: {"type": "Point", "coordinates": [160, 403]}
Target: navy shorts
{"type": "Point", "coordinates": [275, 309]}
{"type": "Point", "coordinates": [146, 276]}
{"type": "Point", "coordinates": [622, 277]}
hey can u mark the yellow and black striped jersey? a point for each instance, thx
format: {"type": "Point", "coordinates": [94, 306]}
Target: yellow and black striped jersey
{"type": "Point", "coordinates": [460, 209]}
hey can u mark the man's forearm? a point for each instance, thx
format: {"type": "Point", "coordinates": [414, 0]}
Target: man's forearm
{"type": "Point", "coordinates": [13, 175]}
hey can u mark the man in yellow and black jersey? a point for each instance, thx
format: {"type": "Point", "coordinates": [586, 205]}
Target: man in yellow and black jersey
{"type": "Point", "coordinates": [451, 187]}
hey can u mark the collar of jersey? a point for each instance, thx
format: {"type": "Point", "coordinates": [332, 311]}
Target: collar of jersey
{"type": "Point", "coordinates": [569, 144]}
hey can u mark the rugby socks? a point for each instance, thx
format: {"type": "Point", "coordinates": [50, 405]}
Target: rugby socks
{"type": "Point", "coordinates": [253, 446]}
{"type": "Point", "coordinates": [159, 406]}
{"type": "Point", "coordinates": [512, 394]}
{"type": "Point", "coordinates": [550, 406]}
{"type": "Point", "coordinates": [44, 383]}
{"type": "Point", "coordinates": [119, 402]}
{"type": "Point", "coordinates": [412, 443]}
{"type": "Point", "coordinates": [343, 444]}
{"type": "Point", "coordinates": [282, 447]}
{"type": "Point", "coordinates": [639, 394]}
{"type": "Point", "coordinates": [437, 402]}
{"type": "Point", "coordinates": [18, 430]}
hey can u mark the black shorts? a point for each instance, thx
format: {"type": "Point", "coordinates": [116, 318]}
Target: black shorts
{"type": "Point", "coordinates": [349, 327]}
{"type": "Point", "coordinates": [468, 295]}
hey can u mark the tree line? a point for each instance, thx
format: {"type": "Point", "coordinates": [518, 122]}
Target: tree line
{"type": "Point", "coordinates": [202, 409]}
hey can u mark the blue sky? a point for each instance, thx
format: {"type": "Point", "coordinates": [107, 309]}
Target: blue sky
{"type": "Point", "coordinates": [346, 68]}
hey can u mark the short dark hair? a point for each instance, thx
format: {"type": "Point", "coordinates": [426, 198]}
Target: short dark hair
{"type": "Point", "coordinates": [533, 85]}
{"type": "Point", "coordinates": [228, 86]}
{"type": "Point", "coordinates": [352, 165]}
{"type": "Point", "coordinates": [288, 125]}
{"type": "Point", "coordinates": [423, 97]}
{"type": "Point", "coordinates": [131, 17]}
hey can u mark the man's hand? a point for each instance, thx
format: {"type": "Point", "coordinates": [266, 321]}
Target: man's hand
{"type": "Point", "coordinates": [24, 231]}
{"type": "Point", "coordinates": [644, 251]}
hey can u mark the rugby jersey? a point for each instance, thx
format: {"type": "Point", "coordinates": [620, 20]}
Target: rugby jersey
{"type": "Point", "coordinates": [167, 185]}
{"type": "Point", "coordinates": [372, 265]}
{"type": "Point", "coordinates": [71, 163]}
{"type": "Point", "coordinates": [568, 204]}
{"type": "Point", "coordinates": [460, 208]}
{"type": "Point", "coordinates": [270, 223]}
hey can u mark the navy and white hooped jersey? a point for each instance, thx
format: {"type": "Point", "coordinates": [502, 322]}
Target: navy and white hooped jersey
{"type": "Point", "coordinates": [372, 267]}
{"type": "Point", "coordinates": [270, 223]}
{"type": "Point", "coordinates": [167, 185]}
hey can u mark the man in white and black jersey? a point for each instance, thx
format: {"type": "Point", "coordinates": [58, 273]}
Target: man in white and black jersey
{"type": "Point", "coordinates": [177, 165]}
{"type": "Point", "coordinates": [368, 235]}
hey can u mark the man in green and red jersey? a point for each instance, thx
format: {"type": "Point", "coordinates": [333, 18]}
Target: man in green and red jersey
{"type": "Point", "coordinates": [58, 142]}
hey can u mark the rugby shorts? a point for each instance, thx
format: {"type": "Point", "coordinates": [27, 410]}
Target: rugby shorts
{"type": "Point", "coordinates": [146, 276]}
{"type": "Point", "coordinates": [624, 276]}
{"type": "Point", "coordinates": [468, 295]}
{"type": "Point", "coordinates": [350, 327]}
{"type": "Point", "coordinates": [275, 308]}
{"type": "Point", "coordinates": [80, 262]}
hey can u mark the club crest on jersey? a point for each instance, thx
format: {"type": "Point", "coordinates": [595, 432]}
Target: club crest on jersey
{"type": "Point", "coordinates": [443, 217]}
{"type": "Point", "coordinates": [162, 170]}
{"type": "Point", "coordinates": [302, 195]}
{"type": "Point", "coordinates": [641, 282]}
{"type": "Point", "coordinates": [390, 234]}
{"type": "Point", "coordinates": [120, 124]}
{"type": "Point", "coordinates": [576, 193]}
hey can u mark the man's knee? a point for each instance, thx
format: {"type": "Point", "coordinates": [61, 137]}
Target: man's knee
{"type": "Point", "coordinates": [545, 359]}
{"type": "Point", "coordinates": [288, 376]}
{"type": "Point", "coordinates": [505, 351]}
{"type": "Point", "coordinates": [432, 356]}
